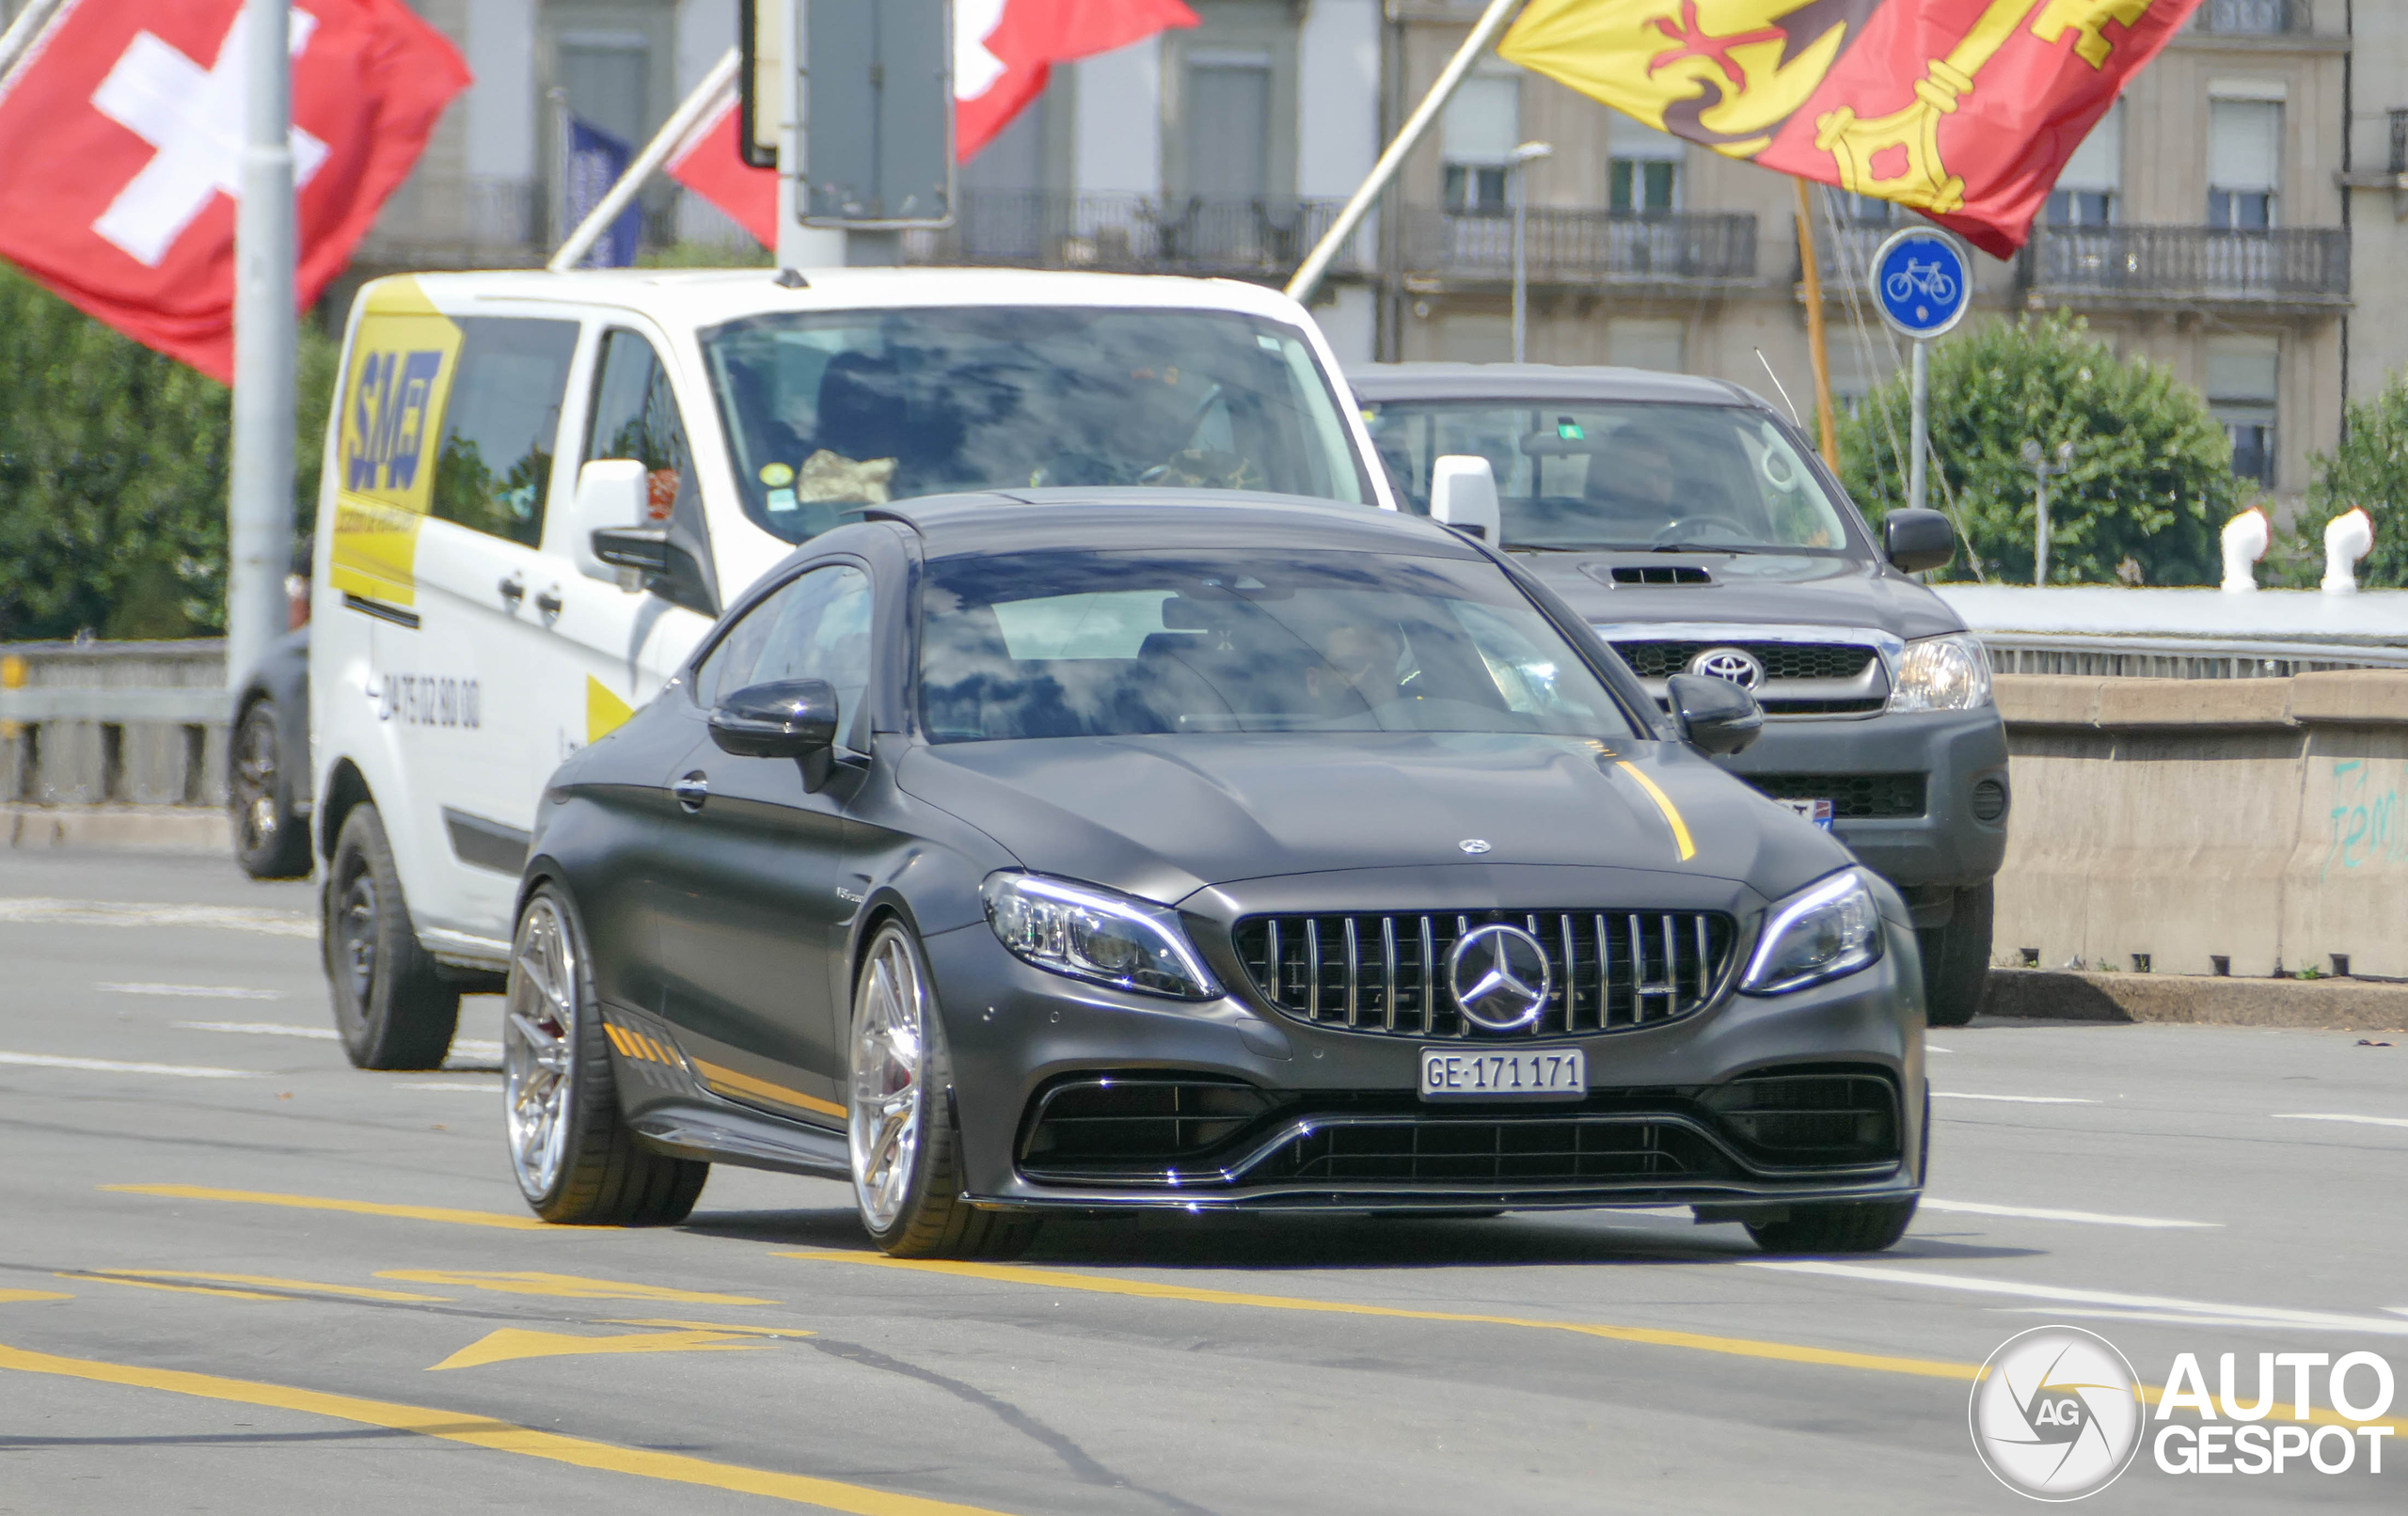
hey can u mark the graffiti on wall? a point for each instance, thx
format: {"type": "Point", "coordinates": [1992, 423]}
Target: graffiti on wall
{"type": "Point", "coordinates": [2369, 814]}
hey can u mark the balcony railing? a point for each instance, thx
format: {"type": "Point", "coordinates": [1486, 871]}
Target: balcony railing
{"type": "Point", "coordinates": [1845, 253]}
{"type": "Point", "coordinates": [2191, 265]}
{"type": "Point", "coordinates": [1586, 246]}
{"type": "Point", "coordinates": [1258, 238]}
{"type": "Point", "coordinates": [2260, 18]}
{"type": "Point", "coordinates": [2399, 142]}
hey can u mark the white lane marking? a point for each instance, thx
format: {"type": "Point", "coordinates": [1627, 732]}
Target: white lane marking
{"type": "Point", "coordinates": [1977, 1207]}
{"type": "Point", "coordinates": [438, 1084]}
{"type": "Point", "coordinates": [2236, 1314]}
{"type": "Point", "coordinates": [2364, 1121]}
{"type": "Point", "coordinates": [194, 991]}
{"type": "Point", "coordinates": [44, 911]}
{"type": "Point", "coordinates": [264, 1029]}
{"type": "Point", "coordinates": [2019, 1100]}
{"type": "Point", "coordinates": [472, 1048]}
{"type": "Point", "coordinates": [1934, 1047]}
{"type": "Point", "coordinates": [2175, 1318]}
{"type": "Point", "coordinates": [107, 1066]}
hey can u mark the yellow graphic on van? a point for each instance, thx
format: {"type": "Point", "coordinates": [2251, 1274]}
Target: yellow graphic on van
{"type": "Point", "coordinates": [605, 713]}
{"type": "Point", "coordinates": [400, 375]}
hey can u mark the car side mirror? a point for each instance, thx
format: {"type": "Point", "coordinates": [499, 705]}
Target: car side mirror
{"type": "Point", "coordinates": [611, 493]}
{"type": "Point", "coordinates": [1714, 715]}
{"type": "Point", "coordinates": [1915, 541]}
{"type": "Point", "coordinates": [1463, 495]}
{"type": "Point", "coordinates": [784, 718]}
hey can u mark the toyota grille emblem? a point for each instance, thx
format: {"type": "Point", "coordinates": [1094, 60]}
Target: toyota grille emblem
{"type": "Point", "coordinates": [1500, 977]}
{"type": "Point", "coordinates": [1733, 665]}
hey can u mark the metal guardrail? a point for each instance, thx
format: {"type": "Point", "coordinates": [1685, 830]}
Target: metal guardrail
{"type": "Point", "coordinates": [1256, 237]}
{"type": "Point", "coordinates": [122, 705]}
{"type": "Point", "coordinates": [2179, 658]}
{"type": "Point", "coordinates": [2188, 265]}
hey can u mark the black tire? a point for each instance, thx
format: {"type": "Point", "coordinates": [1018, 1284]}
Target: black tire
{"type": "Point", "coordinates": [1838, 1226]}
{"type": "Point", "coordinates": [1956, 958]}
{"type": "Point", "coordinates": [269, 841]}
{"type": "Point", "coordinates": [907, 1171]}
{"type": "Point", "coordinates": [562, 1090]}
{"type": "Point", "coordinates": [392, 1003]}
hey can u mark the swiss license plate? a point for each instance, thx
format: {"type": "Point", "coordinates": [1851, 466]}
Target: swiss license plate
{"type": "Point", "coordinates": [1485, 1074]}
{"type": "Point", "coordinates": [1817, 812]}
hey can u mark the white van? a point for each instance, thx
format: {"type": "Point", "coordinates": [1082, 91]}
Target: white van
{"type": "Point", "coordinates": [541, 488]}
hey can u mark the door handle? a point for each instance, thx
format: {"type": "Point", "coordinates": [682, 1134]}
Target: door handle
{"type": "Point", "coordinates": [692, 791]}
{"type": "Point", "coordinates": [549, 602]}
{"type": "Point", "coordinates": [514, 589]}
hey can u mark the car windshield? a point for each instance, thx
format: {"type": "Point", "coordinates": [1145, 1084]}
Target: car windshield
{"type": "Point", "coordinates": [834, 409]}
{"type": "Point", "coordinates": [1061, 644]}
{"type": "Point", "coordinates": [1628, 476]}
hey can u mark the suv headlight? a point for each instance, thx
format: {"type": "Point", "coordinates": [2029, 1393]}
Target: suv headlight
{"type": "Point", "coordinates": [1822, 932]}
{"type": "Point", "coordinates": [1088, 932]}
{"type": "Point", "coordinates": [1942, 673]}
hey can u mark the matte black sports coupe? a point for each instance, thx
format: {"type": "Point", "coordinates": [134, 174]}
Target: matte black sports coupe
{"type": "Point", "coordinates": [1097, 850]}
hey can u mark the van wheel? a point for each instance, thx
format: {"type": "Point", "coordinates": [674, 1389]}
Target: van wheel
{"type": "Point", "coordinates": [1956, 958]}
{"type": "Point", "coordinates": [391, 1004]}
{"type": "Point", "coordinates": [269, 841]}
{"type": "Point", "coordinates": [1837, 1227]}
{"type": "Point", "coordinates": [577, 1162]}
{"type": "Point", "coordinates": [906, 1153]}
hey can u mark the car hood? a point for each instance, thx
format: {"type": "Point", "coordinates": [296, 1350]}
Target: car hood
{"type": "Point", "coordinates": [1748, 589]}
{"type": "Point", "coordinates": [1163, 816]}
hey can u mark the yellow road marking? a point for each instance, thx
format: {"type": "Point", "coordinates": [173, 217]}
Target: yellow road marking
{"type": "Point", "coordinates": [103, 1277]}
{"type": "Point", "coordinates": [762, 1089]}
{"type": "Point", "coordinates": [711, 1326]}
{"type": "Point", "coordinates": [7, 1296]}
{"type": "Point", "coordinates": [1700, 1342]}
{"type": "Point", "coordinates": [1663, 803]}
{"type": "Point", "coordinates": [271, 1281]}
{"type": "Point", "coordinates": [516, 1342]}
{"type": "Point", "coordinates": [500, 1436]}
{"type": "Point", "coordinates": [563, 1287]}
{"type": "Point", "coordinates": [357, 1207]}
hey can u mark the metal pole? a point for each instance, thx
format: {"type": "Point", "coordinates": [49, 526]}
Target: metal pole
{"type": "Point", "coordinates": [1918, 484]}
{"type": "Point", "coordinates": [1416, 126]}
{"type": "Point", "coordinates": [2040, 527]}
{"type": "Point", "coordinates": [259, 515]}
{"type": "Point", "coordinates": [1812, 263]}
{"type": "Point", "coordinates": [1521, 261]}
{"type": "Point", "coordinates": [799, 247]}
{"type": "Point", "coordinates": [19, 38]}
{"type": "Point", "coordinates": [717, 89]}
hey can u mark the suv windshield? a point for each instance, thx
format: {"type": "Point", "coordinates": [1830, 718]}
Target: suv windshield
{"type": "Point", "coordinates": [854, 407]}
{"type": "Point", "coordinates": [1631, 476]}
{"type": "Point", "coordinates": [1062, 645]}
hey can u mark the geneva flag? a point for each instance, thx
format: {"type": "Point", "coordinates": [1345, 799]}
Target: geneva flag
{"type": "Point", "coordinates": [121, 142]}
{"type": "Point", "coordinates": [1965, 110]}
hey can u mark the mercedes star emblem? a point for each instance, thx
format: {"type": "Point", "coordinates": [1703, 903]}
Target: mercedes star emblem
{"type": "Point", "coordinates": [1733, 665]}
{"type": "Point", "coordinates": [1474, 845]}
{"type": "Point", "coordinates": [1500, 977]}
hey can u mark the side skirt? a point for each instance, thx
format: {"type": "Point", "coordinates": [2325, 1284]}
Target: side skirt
{"type": "Point", "coordinates": [751, 1138]}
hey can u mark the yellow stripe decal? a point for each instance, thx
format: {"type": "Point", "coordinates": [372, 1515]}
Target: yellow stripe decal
{"type": "Point", "coordinates": [762, 1089]}
{"type": "Point", "coordinates": [1663, 803]}
{"type": "Point", "coordinates": [618, 1040]}
{"type": "Point", "coordinates": [499, 1436]}
{"type": "Point", "coordinates": [357, 1207]}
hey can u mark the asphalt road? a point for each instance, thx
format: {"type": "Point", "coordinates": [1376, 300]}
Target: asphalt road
{"type": "Point", "coordinates": [236, 1274]}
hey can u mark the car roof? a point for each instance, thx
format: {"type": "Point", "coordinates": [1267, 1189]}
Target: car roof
{"type": "Point", "coordinates": [706, 297]}
{"type": "Point", "coordinates": [1124, 517]}
{"type": "Point", "coordinates": [1538, 381]}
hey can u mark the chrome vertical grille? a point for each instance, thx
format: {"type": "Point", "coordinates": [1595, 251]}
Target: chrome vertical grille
{"type": "Point", "coordinates": [1386, 972]}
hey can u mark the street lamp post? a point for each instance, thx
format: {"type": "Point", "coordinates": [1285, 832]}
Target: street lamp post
{"type": "Point", "coordinates": [2041, 469]}
{"type": "Point", "coordinates": [1518, 166]}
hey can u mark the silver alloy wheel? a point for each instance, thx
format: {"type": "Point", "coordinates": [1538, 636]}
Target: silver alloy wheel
{"type": "Point", "coordinates": [888, 1093]}
{"type": "Point", "coordinates": [539, 1027]}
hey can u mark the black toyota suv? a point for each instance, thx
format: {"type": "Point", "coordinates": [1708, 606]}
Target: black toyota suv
{"type": "Point", "coordinates": [1699, 533]}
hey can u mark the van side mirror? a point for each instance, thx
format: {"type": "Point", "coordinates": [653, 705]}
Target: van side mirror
{"type": "Point", "coordinates": [1463, 495]}
{"type": "Point", "coordinates": [1714, 715]}
{"type": "Point", "coordinates": [784, 718]}
{"type": "Point", "coordinates": [611, 493]}
{"type": "Point", "coordinates": [1915, 541]}
{"type": "Point", "coordinates": [657, 563]}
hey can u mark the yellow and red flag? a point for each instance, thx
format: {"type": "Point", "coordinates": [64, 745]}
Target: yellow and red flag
{"type": "Point", "coordinates": [1965, 110]}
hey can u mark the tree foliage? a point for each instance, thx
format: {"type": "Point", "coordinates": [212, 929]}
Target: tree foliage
{"type": "Point", "coordinates": [2151, 480]}
{"type": "Point", "coordinates": [113, 463]}
{"type": "Point", "coordinates": [2369, 470]}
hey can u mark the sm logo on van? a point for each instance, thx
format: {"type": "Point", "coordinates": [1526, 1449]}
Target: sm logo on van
{"type": "Point", "coordinates": [390, 420]}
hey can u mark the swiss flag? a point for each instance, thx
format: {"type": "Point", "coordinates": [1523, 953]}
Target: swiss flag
{"type": "Point", "coordinates": [1003, 52]}
{"type": "Point", "coordinates": [121, 153]}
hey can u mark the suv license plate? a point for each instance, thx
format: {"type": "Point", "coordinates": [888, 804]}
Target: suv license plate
{"type": "Point", "coordinates": [1817, 812]}
{"type": "Point", "coordinates": [1524, 1074]}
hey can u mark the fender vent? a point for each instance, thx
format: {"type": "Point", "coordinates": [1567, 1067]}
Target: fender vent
{"type": "Point", "coordinates": [1661, 575]}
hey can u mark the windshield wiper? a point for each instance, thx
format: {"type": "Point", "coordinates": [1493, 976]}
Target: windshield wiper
{"type": "Point", "coordinates": [1701, 547]}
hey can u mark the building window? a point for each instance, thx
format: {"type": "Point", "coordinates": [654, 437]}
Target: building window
{"type": "Point", "coordinates": [1478, 134]}
{"type": "Point", "coordinates": [1643, 168]}
{"type": "Point", "coordinates": [1229, 124]}
{"type": "Point", "coordinates": [2244, 161]}
{"type": "Point", "coordinates": [2243, 383]}
{"type": "Point", "coordinates": [2093, 178]}
{"type": "Point", "coordinates": [1864, 209]}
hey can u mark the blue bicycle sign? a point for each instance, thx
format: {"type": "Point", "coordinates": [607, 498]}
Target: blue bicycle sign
{"type": "Point", "coordinates": [1920, 282]}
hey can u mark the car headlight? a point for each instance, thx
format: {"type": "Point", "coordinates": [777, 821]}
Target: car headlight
{"type": "Point", "coordinates": [1824, 931]}
{"type": "Point", "coordinates": [1088, 932]}
{"type": "Point", "coordinates": [1942, 673]}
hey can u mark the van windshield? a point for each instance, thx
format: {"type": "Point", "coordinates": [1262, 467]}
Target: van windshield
{"type": "Point", "coordinates": [837, 409]}
{"type": "Point", "coordinates": [1633, 476]}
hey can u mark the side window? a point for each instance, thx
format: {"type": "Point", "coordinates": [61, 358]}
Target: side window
{"type": "Point", "coordinates": [635, 415]}
{"type": "Point", "coordinates": [500, 425]}
{"type": "Point", "coordinates": [816, 627]}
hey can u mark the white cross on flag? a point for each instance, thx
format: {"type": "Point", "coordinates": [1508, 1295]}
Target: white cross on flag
{"type": "Point", "coordinates": [121, 144]}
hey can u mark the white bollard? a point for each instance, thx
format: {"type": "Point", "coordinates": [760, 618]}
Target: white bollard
{"type": "Point", "coordinates": [2348, 538]}
{"type": "Point", "coordinates": [2245, 537]}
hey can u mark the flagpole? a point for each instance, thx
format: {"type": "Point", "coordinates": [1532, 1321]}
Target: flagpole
{"type": "Point", "coordinates": [1812, 263]}
{"type": "Point", "coordinates": [259, 513]}
{"type": "Point", "coordinates": [717, 87]}
{"type": "Point", "coordinates": [19, 39]}
{"type": "Point", "coordinates": [1416, 126]}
